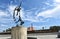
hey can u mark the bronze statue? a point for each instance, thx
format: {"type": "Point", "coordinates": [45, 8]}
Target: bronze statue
{"type": "Point", "coordinates": [18, 14]}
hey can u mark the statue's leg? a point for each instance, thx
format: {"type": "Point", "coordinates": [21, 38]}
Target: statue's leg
{"type": "Point", "coordinates": [21, 23]}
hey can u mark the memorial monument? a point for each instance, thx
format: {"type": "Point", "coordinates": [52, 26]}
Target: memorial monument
{"type": "Point", "coordinates": [19, 32]}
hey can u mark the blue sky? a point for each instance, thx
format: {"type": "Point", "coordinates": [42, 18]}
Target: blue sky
{"type": "Point", "coordinates": [41, 13]}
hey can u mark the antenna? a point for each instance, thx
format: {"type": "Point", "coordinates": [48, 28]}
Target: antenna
{"type": "Point", "coordinates": [31, 24]}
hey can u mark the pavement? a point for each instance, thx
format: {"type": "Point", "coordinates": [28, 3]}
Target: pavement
{"type": "Point", "coordinates": [38, 36]}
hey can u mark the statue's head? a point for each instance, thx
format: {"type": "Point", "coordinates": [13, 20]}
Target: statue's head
{"type": "Point", "coordinates": [18, 9]}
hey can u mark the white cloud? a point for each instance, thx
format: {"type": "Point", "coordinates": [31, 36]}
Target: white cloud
{"type": "Point", "coordinates": [22, 13]}
{"type": "Point", "coordinates": [45, 13]}
{"type": "Point", "coordinates": [48, 13]}
{"type": "Point", "coordinates": [2, 25]}
{"type": "Point", "coordinates": [47, 3]}
{"type": "Point", "coordinates": [57, 1]}
{"type": "Point", "coordinates": [31, 20]}
{"type": "Point", "coordinates": [4, 22]}
{"type": "Point", "coordinates": [55, 12]}
{"type": "Point", "coordinates": [6, 12]}
{"type": "Point", "coordinates": [3, 13]}
{"type": "Point", "coordinates": [11, 9]}
{"type": "Point", "coordinates": [51, 13]}
{"type": "Point", "coordinates": [28, 16]}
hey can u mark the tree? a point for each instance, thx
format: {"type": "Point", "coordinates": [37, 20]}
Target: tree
{"type": "Point", "coordinates": [55, 28]}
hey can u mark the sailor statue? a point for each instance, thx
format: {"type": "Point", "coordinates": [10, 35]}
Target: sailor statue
{"type": "Point", "coordinates": [17, 9]}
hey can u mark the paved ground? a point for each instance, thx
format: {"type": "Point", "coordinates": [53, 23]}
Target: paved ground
{"type": "Point", "coordinates": [44, 35]}
{"type": "Point", "coordinates": [38, 36]}
{"type": "Point", "coordinates": [5, 36]}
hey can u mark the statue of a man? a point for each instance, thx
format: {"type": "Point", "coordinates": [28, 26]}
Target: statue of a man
{"type": "Point", "coordinates": [18, 14]}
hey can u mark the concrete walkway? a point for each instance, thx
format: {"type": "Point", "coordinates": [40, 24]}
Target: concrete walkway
{"type": "Point", "coordinates": [38, 36]}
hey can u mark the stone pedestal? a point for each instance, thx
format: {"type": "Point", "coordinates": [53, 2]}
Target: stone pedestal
{"type": "Point", "coordinates": [19, 32]}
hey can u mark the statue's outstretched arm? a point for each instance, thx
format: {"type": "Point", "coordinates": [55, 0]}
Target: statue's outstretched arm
{"type": "Point", "coordinates": [14, 16]}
